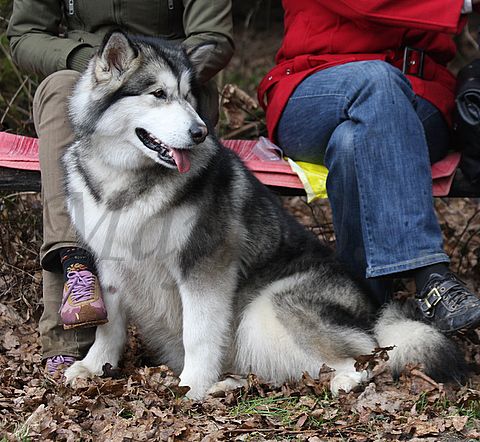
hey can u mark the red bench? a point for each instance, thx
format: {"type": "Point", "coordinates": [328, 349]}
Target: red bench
{"type": "Point", "coordinates": [20, 169]}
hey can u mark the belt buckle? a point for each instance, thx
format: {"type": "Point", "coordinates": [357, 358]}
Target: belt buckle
{"type": "Point", "coordinates": [413, 61]}
{"type": "Point", "coordinates": [432, 298]}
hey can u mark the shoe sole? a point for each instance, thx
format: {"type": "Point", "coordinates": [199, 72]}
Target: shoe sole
{"type": "Point", "coordinates": [85, 324]}
{"type": "Point", "coordinates": [465, 328]}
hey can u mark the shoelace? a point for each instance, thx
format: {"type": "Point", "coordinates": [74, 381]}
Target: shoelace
{"type": "Point", "coordinates": [81, 285]}
{"type": "Point", "coordinates": [454, 295]}
{"type": "Point", "coordinates": [54, 363]}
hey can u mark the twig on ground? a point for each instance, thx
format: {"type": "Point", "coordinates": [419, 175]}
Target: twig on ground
{"type": "Point", "coordinates": [17, 108]}
{"type": "Point", "coordinates": [12, 100]}
{"type": "Point", "coordinates": [284, 431]}
{"type": "Point", "coordinates": [236, 132]}
{"type": "Point", "coordinates": [14, 195]}
{"type": "Point", "coordinates": [20, 269]}
{"type": "Point", "coordinates": [17, 72]}
{"type": "Point", "coordinates": [465, 229]}
{"type": "Point", "coordinates": [426, 378]}
{"type": "Point", "coordinates": [465, 246]}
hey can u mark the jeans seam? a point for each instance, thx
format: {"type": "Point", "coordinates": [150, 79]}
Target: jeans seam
{"type": "Point", "coordinates": [423, 120]}
{"type": "Point", "coordinates": [410, 264]}
{"type": "Point", "coordinates": [303, 97]}
{"type": "Point", "coordinates": [363, 219]}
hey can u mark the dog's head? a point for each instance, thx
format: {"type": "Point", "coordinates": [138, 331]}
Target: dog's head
{"type": "Point", "coordinates": [141, 98]}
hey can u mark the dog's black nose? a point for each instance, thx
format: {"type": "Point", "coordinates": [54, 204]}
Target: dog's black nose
{"type": "Point", "coordinates": [198, 132]}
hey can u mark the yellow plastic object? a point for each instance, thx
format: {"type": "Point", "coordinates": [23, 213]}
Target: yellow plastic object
{"type": "Point", "coordinates": [313, 178]}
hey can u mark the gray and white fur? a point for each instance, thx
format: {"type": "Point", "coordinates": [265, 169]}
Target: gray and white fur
{"type": "Point", "coordinates": [215, 274]}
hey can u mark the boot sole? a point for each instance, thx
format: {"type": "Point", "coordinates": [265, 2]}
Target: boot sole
{"type": "Point", "coordinates": [85, 324]}
{"type": "Point", "coordinates": [463, 329]}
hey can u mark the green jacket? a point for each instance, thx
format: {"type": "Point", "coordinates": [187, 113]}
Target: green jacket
{"type": "Point", "coordinates": [50, 35]}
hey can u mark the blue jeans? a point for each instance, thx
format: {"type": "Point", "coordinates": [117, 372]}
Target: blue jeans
{"type": "Point", "coordinates": [377, 139]}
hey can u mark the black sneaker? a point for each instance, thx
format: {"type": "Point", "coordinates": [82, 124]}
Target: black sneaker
{"type": "Point", "coordinates": [448, 304]}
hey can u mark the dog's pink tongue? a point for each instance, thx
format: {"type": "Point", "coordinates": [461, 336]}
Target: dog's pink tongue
{"type": "Point", "coordinates": [182, 159]}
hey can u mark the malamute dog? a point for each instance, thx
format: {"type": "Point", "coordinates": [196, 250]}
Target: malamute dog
{"type": "Point", "coordinates": [200, 255]}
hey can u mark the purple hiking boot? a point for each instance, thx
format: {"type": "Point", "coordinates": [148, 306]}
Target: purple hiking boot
{"type": "Point", "coordinates": [82, 304]}
{"type": "Point", "coordinates": [58, 364]}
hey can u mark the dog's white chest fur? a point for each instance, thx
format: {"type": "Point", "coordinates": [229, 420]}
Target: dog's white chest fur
{"type": "Point", "coordinates": [133, 234]}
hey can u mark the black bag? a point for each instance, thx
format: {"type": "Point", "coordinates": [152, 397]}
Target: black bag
{"type": "Point", "coordinates": [467, 120]}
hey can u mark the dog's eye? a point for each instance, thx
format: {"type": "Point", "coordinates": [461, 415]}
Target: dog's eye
{"type": "Point", "coordinates": [159, 93]}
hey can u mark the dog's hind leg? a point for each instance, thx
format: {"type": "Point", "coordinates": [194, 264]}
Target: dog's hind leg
{"type": "Point", "coordinates": [289, 329]}
{"type": "Point", "coordinates": [265, 344]}
{"type": "Point", "coordinates": [109, 338]}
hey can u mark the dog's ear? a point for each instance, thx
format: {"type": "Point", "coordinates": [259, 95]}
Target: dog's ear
{"type": "Point", "coordinates": [198, 54]}
{"type": "Point", "coordinates": [117, 56]}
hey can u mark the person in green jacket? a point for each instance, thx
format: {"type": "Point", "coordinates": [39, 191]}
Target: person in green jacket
{"type": "Point", "coordinates": [56, 39]}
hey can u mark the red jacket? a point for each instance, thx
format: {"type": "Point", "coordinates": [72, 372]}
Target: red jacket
{"type": "Point", "coordinates": [324, 33]}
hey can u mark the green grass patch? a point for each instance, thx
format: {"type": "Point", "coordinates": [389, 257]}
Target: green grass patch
{"type": "Point", "coordinates": [472, 410]}
{"type": "Point", "coordinates": [288, 410]}
{"type": "Point", "coordinates": [126, 413]}
{"type": "Point", "coordinates": [277, 408]}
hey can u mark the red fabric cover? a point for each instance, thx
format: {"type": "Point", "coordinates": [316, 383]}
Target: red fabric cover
{"type": "Point", "coordinates": [19, 152]}
{"type": "Point", "coordinates": [443, 173]}
{"type": "Point", "coordinates": [324, 33]}
{"type": "Point", "coordinates": [270, 173]}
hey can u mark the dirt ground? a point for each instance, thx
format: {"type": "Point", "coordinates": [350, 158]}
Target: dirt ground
{"type": "Point", "coordinates": [145, 403]}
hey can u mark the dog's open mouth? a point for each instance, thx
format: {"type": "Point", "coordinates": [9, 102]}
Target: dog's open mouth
{"type": "Point", "coordinates": [179, 158]}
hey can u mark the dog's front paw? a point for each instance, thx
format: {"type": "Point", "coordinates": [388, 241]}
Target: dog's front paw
{"type": "Point", "coordinates": [198, 390]}
{"type": "Point", "coordinates": [346, 381]}
{"type": "Point", "coordinates": [228, 384]}
{"type": "Point", "coordinates": [79, 370]}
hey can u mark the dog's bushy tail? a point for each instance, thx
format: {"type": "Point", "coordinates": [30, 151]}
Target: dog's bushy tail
{"type": "Point", "coordinates": [419, 343]}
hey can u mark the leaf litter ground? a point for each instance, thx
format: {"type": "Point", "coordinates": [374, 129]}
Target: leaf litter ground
{"type": "Point", "coordinates": [139, 402]}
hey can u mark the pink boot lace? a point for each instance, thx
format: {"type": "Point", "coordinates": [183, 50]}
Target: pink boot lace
{"type": "Point", "coordinates": [56, 362]}
{"type": "Point", "coordinates": [81, 286]}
